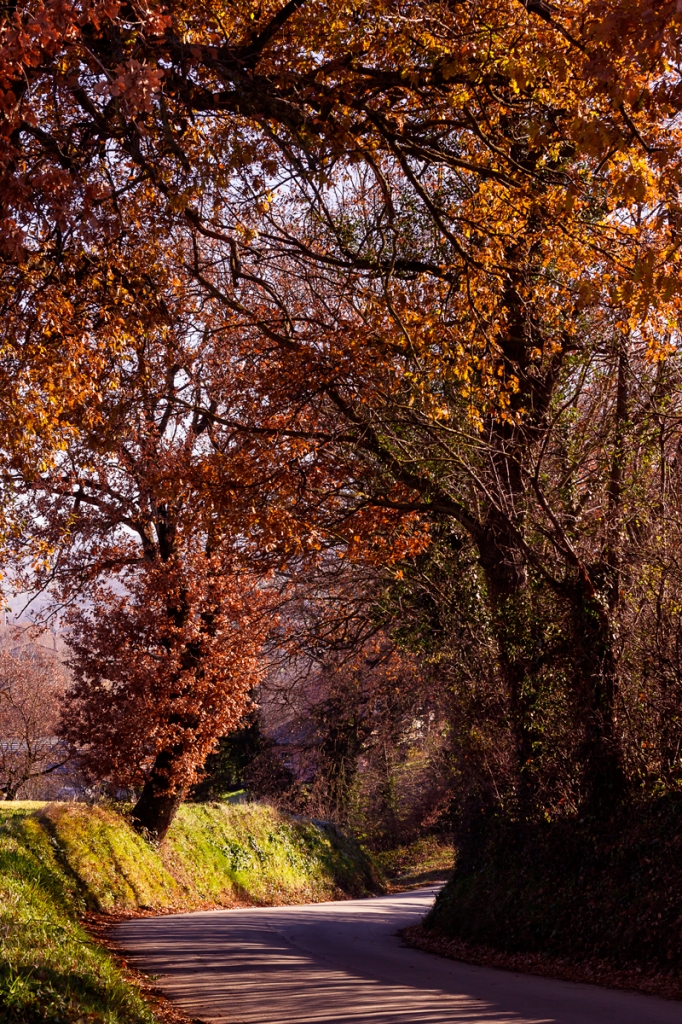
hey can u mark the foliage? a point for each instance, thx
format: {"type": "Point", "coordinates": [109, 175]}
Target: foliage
{"type": "Point", "coordinates": [328, 286]}
{"type": "Point", "coordinates": [424, 861]}
{"type": "Point", "coordinates": [165, 610]}
{"type": "Point", "coordinates": [362, 735]}
{"type": "Point", "coordinates": [163, 670]}
{"type": "Point", "coordinates": [606, 889]}
{"type": "Point", "coordinates": [225, 770]}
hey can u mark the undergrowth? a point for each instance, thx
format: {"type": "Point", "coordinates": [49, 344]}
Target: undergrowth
{"type": "Point", "coordinates": [608, 889]}
{"type": "Point", "coordinates": [427, 860]}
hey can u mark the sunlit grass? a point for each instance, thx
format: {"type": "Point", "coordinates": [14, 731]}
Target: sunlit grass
{"type": "Point", "coordinates": [50, 970]}
{"type": "Point", "coordinates": [252, 852]}
{"type": "Point", "coordinates": [214, 853]}
{"type": "Point", "coordinates": [115, 867]}
{"type": "Point", "coordinates": [424, 861]}
{"type": "Point", "coordinates": [59, 860]}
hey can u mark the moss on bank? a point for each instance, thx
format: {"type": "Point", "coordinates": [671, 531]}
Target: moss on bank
{"type": "Point", "coordinates": [59, 860]}
{"type": "Point", "coordinates": [214, 853]}
{"type": "Point", "coordinates": [606, 890]}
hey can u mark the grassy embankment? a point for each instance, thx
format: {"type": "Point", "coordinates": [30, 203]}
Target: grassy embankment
{"type": "Point", "coordinates": [420, 863]}
{"type": "Point", "coordinates": [59, 861]}
{"type": "Point", "coordinates": [589, 900]}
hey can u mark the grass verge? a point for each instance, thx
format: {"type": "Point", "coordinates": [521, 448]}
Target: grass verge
{"type": "Point", "coordinates": [420, 863]}
{"type": "Point", "coordinates": [51, 971]}
{"type": "Point", "coordinates": [60, 861]}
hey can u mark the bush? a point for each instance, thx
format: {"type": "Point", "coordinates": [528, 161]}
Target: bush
{"type": "Point", "coordinates": [610, 889]}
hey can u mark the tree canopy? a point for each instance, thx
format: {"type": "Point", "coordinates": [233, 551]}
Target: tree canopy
{"type": "Point", "coordinates": [297, 285]}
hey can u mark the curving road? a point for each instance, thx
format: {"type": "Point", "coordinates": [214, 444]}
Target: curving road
{"type": "Point", "coordinates": [342, 963]}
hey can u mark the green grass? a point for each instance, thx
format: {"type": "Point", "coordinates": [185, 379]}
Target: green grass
{"type": "Point", "coordinates": [59, 860]}
{"type": "Point", "coordinates": [214, 854]}
{"type": "Point", "coordinates": [50, 970]}
{"type": "Point", "coordinates": [253, 853]}
{"type": "Point", "coordinates": [422, 862]}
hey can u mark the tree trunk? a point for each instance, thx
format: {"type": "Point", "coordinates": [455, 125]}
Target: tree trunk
{"type": "Point", "coordinates": [506, 579]}
{"type": "Point", "coordinates": [603, 775]}
{"type": "Point", "coordinates": [154, 811]}
{"type": "Point", "coordinates": [604, 780]}
{"type": "Point", "coordinates": [160, 799]}
{"type": "Point", "coordinates": [515, 674]}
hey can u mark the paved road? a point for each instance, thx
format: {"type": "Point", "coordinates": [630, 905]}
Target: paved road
{"type": "Point", "coordinates": [341, 963]}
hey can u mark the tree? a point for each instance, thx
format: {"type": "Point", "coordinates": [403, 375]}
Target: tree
{"type": "Point", "coordinates": [190, 118]}
{"type": "Point", "coordinates": [160, 525]}
{"type": "Point", "coordinates": [359, 721]}
{"type": "Point", "coordinates": [402, 244]}
{"type": "Point", "coordinates": [32, 684]}
{"type": "Point", "coordinates": [226, 769]}
{"type": "Point", "coordinates": [167, 599]}
{"type": "Point", "coordinates": [162, 671]}
{"type": "Point", "coordinates": [428, 314]}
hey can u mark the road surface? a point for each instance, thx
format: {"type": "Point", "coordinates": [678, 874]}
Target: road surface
{"type": "Point", "coordinates": [342, 963]}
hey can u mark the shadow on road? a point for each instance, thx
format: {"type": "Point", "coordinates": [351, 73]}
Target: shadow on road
{"type": "Point", "coordinates": [342, 963]}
